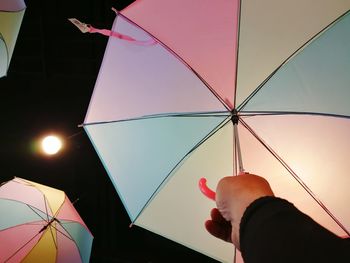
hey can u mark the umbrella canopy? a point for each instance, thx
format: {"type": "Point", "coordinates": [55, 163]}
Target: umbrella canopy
{"type": "Point", "coordinates": [39, 224]}
{"type": "Point", "coordinates": [11, 15]}
{"type": "Point", "coordinates": [225, 86]}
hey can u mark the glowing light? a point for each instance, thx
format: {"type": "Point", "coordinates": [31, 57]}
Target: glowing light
{"type": "Point", "coordinates": [51, 145]}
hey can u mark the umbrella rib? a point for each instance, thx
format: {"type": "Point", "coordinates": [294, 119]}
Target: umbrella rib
{"type": "Point", "coordinates": [237, 50]}
{"type": "Point", "coordinates": [61, 205]}
{"type": "Point", "coordinates": [30, 241]}
{"type": "Point", "coordinates": [263, 113]}
{"type": "Point", "coordinates": [183, 62]}
{"type": "Point", "coordinates": [21, 247]}
{"type": "Point", "coordinates": [69, 237]}
{"type": "Point", "coordinates": [21, 202]}
{"type": "Point", "coordinates": [165, 115]}
{"type": "Point", "coordinates": [15, 10]}
{"type": "Point", "coordinates": [6, 48]}
{"type": "Point", "coordinates": [295, 176]}
{"type": "Point", "coordinates": [246, 101]}
{"type": "Point", "coordinates": [33, 223]}
{"type": "Point", "coordinates": [36, 212]}
{"type": "Point", "coordinates": [29, 206]}
{"type": "Point", "coordinates": [52, 235]}
{"type": "Point", "coordinates": [47, 213]}
{"type": "Point", "coordinates": [52, 226]}
{"type": "Point", "coordinates": [217, 128]}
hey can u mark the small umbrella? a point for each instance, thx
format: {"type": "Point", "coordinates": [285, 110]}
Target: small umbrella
{"type": "Point", "coordinates": [39, 224]}
{"type": "Point", "coordinates": [11, 15]}
{"type": "Point", "coordinates": [228, 85]}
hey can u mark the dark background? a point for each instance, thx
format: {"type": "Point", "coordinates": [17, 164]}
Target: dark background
{"type": "Point", "coordinates": [47, 89]}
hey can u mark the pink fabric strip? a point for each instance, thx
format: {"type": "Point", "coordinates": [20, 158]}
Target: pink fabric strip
{"type": "Point", "coordinates": [110, 33]}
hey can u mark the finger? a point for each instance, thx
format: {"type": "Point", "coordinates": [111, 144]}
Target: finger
{"type": "Point", "coordinates": [216, 216]}
{"type": "Point", "coordinates": [219, 230]}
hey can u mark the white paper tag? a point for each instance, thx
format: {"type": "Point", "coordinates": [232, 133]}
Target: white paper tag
{"type": "Point", "coordinates": [82, 26]}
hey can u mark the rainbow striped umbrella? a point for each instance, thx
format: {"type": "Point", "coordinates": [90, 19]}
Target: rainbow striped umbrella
{"type": "Point", "coordinates": [39, 224]}
{"type": "Point", "coordinates": [11, 15]}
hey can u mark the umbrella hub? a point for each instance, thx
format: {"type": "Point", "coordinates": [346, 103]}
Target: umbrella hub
{"type": "Point", "coordinates": [234, 117]}
{"type": "Point", "coordinates": [49, 224]}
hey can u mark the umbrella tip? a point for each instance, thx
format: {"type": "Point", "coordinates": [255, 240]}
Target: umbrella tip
{"type": "Point", "coordinates": [115, 10]}
{"type": "Point", "coordinates": [75, 201]}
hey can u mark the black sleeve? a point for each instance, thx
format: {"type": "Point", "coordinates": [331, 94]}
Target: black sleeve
{"type": "Point", "coordinates": [273, 230]}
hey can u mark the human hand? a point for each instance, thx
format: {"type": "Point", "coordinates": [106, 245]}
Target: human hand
{"type": "Point", "coordinates": [233, 195]}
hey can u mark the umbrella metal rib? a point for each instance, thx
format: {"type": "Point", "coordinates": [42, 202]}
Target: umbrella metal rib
{"type": "Point", "coordinates": [163, 115]}
{"type": "Point", "coordinates": [262, 113]}
{"type": "Point", "coordinates": [295, 176]}
{"type": "Point", "coordinates": [259, 87]}
{"type": "Point", "coordinates": [19, 249]}
{"type": "Point", "coordinates": [222, 124]}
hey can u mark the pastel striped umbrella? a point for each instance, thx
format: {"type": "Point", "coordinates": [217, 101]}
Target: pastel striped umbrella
{"type": "Point", "coordinates": [39, 224]}
{"type": "Point", "coordinates": [11, 15]}
{"type": "Point", "coordinates": [221, 87]}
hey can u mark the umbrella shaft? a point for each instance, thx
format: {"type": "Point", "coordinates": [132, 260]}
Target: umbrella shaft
{"type": "Point", "coordinates": [238, 149]}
